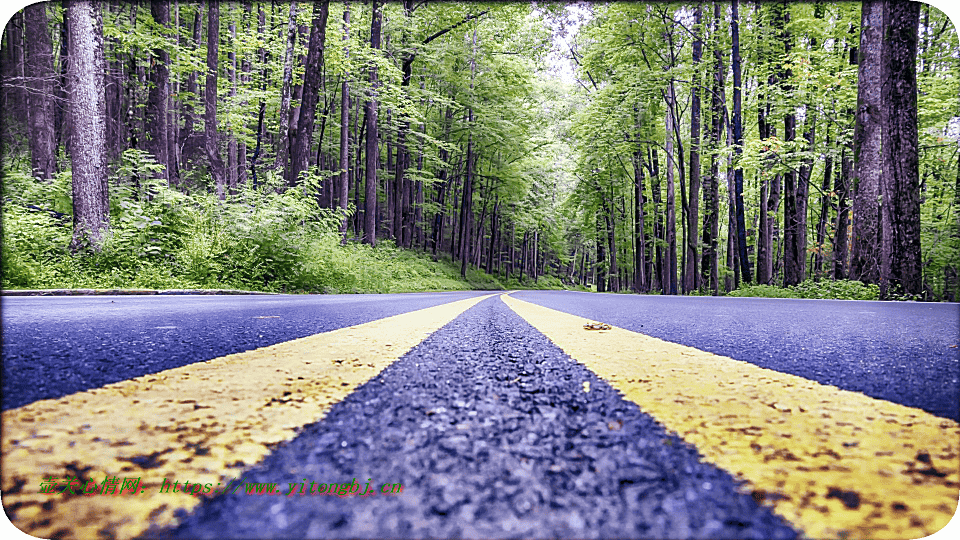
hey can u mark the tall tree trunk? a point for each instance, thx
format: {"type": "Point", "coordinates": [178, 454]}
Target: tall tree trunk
{"type": "Point", "coordinates": [286, 88]}
{"type": "Point", "coordinates": [233, 173]}
{"type": "Point", "coordinates": [738, 145]}
{"type": "Point", "coordinates": [901, 271]}
{"type": "Point", "coordinates": [466, 216]}
{"type": "Point", "coordinates": [602, 264]}
{"type": "Point", "coordinates": [824, 211]}
{"type": "Point", "coordinates": [711, 189]}
{"type": "Point", "coordinates": [792, 261]}
{"type": "Point", "coordinates": [301, 139]}
{"type": "Point", "coordinates": [640, 284]}
{"type": "Point", "coordinates": [867, 147]}
{"type": "Point", "coordinates": [692, 275]}
{"type": "Point", "coordinates": [187, 137]}
{"type": "Point", "coordinates": [344, 186]}
{"type": "Point", "coordinates": [843, 216]}
{"type": "Point", "coordinates": [159, 96]}
{"type": "Point", "coordinates": [40, 98]}
{"type": "Point", "coordinates": [210, 100]}
{"type": "Point", "coordinates": [670, 279]}
{"type": "Point", "coordinates": [372, 147]}
{"type": "Point", "coordinates": [87, 109]}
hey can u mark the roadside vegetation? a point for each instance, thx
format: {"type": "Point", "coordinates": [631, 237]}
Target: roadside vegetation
{"type": "Point", "coordinates": [263, 239]}
{"type": "Point", "coordinates": [823, 289]}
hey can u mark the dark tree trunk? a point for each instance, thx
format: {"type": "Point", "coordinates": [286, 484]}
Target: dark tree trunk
{"type": "Point", "coordinates": [343, 193]}
{"type": "Point", "coordinates": [87, 109]}
{"type": "Point", "coordinates": [188, 112]}
{"type": "Point", "coordinates": [711, 189]}
{"type": "Point", "coordinates": [670, 277]}
{"type": "Point", "coordinates": [40, 98]}
{"type": "Point", "coordinates": [210, 101]}
{"type": "Point", "coordinates": [301, 139]}
{"type": "Point", "coordinates": [792, 261]}
{"type": "Point", "coordinates": [843, 217]}
{"type": "Point", "coordinates": [867, 147]}
{"type": "Point", "coordinates": [159, 96]}
{"type": "Point", "coordinates": [824, 211]}
{"type": "Point", "coordinates": [640, 284]}
{"type": "Point", "coordinates": [286, 88]}
{"type": "Point", "coordinates": [692, 275]}
{"type": "Point", "coordinates": [738, 145]}
{"type": "Point", "coordinates": [372, 150]}
{"type": "Point", "coordinates": [901, 271]}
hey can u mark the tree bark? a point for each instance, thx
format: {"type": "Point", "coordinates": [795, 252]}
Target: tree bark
{"type": "Point", "coordinates": [211, 138]}
{"type": "Point", "coordinates": [87, 108]}
{"type": "Point", "coordinates": [670, 279]}
{"type": "Point", "coordinates": [40, 98]}
{"type": "Point", "coordinates": [283, 148]}
{"type": "Point", "coordinates": [159, 97]}
{"type": "Point", "coordinates": [301, 139]}
{"type": "Point", "coordinates": [344, 186]}
{"type": "Point", "coordinates": [867, 149]}
{"type": "Point", "coordinates": [843, 217]}
{"type": "Point", "coordinates": [372, 147]}
{"type": "Point", "coordinates": [738, 146]}
{"type": "Point", "coordinates": [792, 261]}
{"type": "Point", "coordinates": [901, 272]}
{"type": "Point", "coordinates": [692, 274]}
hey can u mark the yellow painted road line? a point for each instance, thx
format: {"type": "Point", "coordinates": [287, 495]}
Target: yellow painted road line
{"type": "Point", "coordinates": [206, 422]}
{"type": "Point", "coordinates": [834, 463]}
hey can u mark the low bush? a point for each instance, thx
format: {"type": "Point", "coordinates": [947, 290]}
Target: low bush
{"type": "Point", "coordinates": [824, 289]}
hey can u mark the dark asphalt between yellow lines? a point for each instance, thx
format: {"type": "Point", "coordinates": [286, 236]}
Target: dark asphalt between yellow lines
{"type": "Point", "coordinates": [206, 422]}
{"type": "Point", "coordinates": [834, 463]}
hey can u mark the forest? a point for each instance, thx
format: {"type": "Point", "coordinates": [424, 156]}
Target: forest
{"type": "Point", "coordinates": [804, 149]}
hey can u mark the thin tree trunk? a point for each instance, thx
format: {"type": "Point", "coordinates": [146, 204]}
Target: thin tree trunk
{"type": "Point", "coordinates": [210, 100]}
{"type": "Point", "coordinates": [344, 186]}
{"type": "Point", "coordinates": [738, 145]}
{"type": "Point", "coordinates": [670, 283]}
{"type": "Point", "coordinates": [283, 149]}
{"type": "Point", "coordinates": [840, 246]}
{"type": "Point", "coordinates": [692, 275]}
{"type": "Point", "coordinates": [372, 147]}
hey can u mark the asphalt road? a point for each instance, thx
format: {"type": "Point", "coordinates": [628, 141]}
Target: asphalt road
{"type": "Point", "coordinates": [904, 352]}
{"type": "Point", "coordinates": [491, 428]}
{"type": "Point", "coordinates": [58, 345]}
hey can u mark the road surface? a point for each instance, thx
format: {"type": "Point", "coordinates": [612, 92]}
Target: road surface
{"type": "Point", "coordinates": [480, 415]}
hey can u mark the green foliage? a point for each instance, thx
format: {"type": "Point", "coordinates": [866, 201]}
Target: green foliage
{"type": "Point", "coordinates": [824, 289]}
{"type": "Point", "coordinates": [269, 240]}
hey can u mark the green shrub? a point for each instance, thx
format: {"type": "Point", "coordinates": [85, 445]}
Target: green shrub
{"type": "Point", "coordinates": [824, 289]}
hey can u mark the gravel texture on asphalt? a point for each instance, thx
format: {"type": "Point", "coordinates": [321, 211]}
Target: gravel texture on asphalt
{"type": "Point", "coordinates": [904, 352]}
{"type": "Point", "coordinates": [54, 346]}
{"type": "Point", "coordinates": [494, 433]}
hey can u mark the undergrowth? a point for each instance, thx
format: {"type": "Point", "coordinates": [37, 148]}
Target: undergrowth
{"type": "Point", "coordinates": [823, 289]}
{"type": "Point", "coordinates": [267, 239]}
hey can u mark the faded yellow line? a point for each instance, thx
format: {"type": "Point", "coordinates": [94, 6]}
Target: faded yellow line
{"type": "Point", "coordinates": [835, 463]}
{"type": "Point", "coordinates": [206, 422]}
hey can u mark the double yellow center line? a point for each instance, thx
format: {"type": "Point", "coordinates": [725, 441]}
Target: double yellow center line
{"type": "Point", "coordinates": [836, 464]}
{"type": "Point", "coordinates": [207, 422]}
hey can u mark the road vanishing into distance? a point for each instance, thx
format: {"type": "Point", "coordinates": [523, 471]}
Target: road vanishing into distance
{"type": "Point", "coordinates": [526, 414]}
